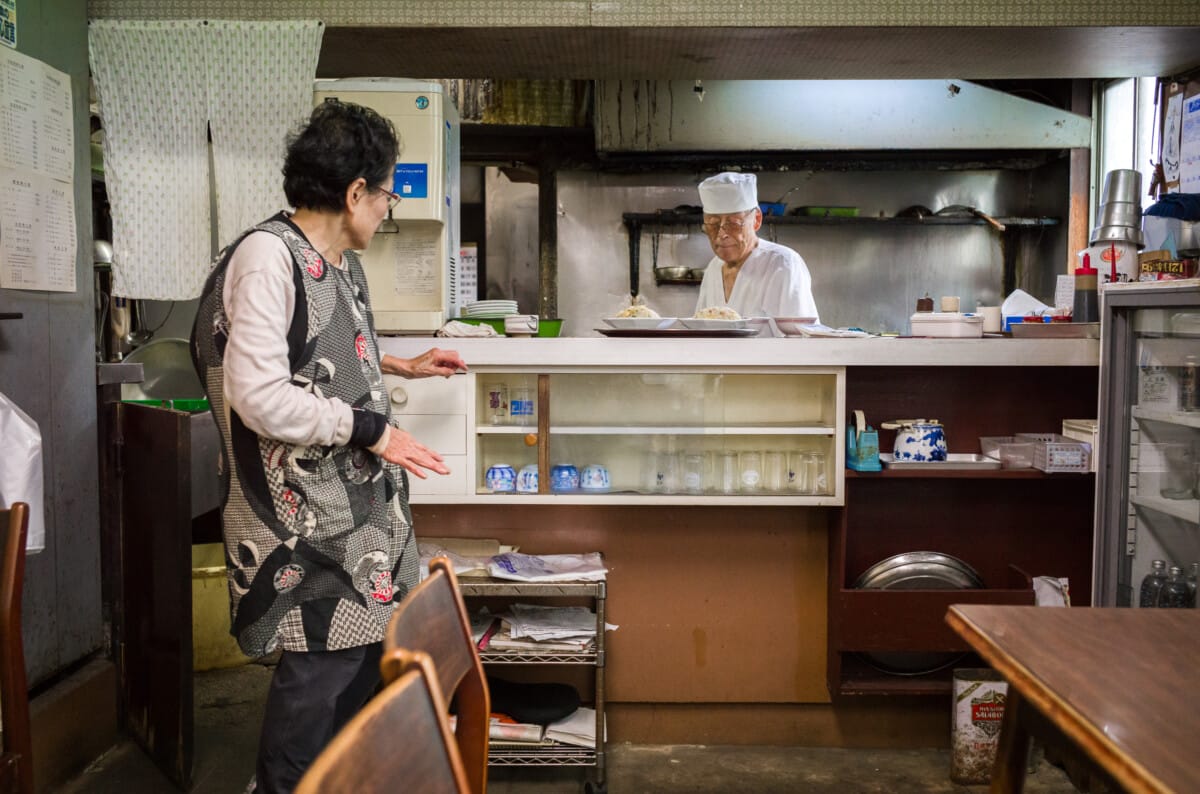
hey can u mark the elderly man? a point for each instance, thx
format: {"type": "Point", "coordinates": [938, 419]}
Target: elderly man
{"type": "Point", "coordinates": [754, 277]}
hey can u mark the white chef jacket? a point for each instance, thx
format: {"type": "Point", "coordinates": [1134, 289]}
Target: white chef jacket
{"type": "Point", "coordinates": [773, 282]}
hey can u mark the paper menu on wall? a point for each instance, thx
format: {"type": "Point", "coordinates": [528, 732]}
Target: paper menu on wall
{"type": "Point", "coordinates": [37, 192]}
{"type": "Point", "coordinates": [1189, 146]}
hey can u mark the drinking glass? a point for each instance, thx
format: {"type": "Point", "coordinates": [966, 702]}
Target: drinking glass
{"type": "Point", "coordinates": [795, 470]}
{"type": "Point", "coordinates": [661, 472]}
{"type": "Point", "coordinates": [774, 471]}
{"type": "Point", "coordinates": [693, 473]}
{"type": "Point", "coordinates": [727, 473]}
{"type": "Point", "coordinates": [672, 480]}
{"type": "Point", "coordinates": [497, 404]}
{"type": "Point", "coordinates": [815, 473]}
{"type": "Point", "coordinates": [751, 472]}
{"type": "Point", "coordinates": [522, 406]}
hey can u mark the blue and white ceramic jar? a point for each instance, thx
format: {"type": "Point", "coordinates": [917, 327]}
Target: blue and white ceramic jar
{"type": "Point", "coordinates": [501, 478]}
{"type": "Point", "coordinates": [527, 479]}
{"type": "Point", "coordinates": [564, 477]}
{"type": "Point", "coordinates": [920, 442]}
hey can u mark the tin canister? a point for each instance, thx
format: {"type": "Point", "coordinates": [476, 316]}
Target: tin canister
{"type": "Point", "coordinates": [979, 696]}
{"type": "Point", "coordinates": [1189, 384]}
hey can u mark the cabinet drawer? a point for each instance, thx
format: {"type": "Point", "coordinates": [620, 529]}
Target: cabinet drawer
{"type": "Point", "coordinates": [442, 433]}
{"type": "Point", "coordinates": [452, 484]}
{"type": "Point", "coordinates": [427, 395]}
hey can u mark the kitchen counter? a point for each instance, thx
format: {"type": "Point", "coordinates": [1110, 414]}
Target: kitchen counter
{"type": "Point", "coordinates": [563, 353]}
{"type": "Point", "coordinates": [739, 620]}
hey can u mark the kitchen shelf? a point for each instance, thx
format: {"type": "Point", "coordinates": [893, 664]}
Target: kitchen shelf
{"type": "Point", "coordinates": [667, 218]}
{"type": "Point", "coordinates": [635, 222]}
{"type": "Point", "coordinates": [1186, 509]}
{"type": "Point", "coordinates": [1007, 524]}
{"type": "Point", "coordinates": [663, 430]}
{"type": "Point", "coordinates": [693, 430]}
{"type": "Point", "coordinates": [550, 753]}
{"type": "Point", "coordinates": [860, 679]}
{"type": "Point", "coordinates": [1183, 418]}
{"type": "Point", "coordinates": [964, 474]}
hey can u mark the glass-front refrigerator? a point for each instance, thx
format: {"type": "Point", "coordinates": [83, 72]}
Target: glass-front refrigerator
{"type": "Point", "coordinates": [1147, 548]}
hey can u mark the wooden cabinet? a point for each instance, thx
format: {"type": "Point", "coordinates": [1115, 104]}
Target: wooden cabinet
{"type": "Point", "coordinates": [1009, 525]}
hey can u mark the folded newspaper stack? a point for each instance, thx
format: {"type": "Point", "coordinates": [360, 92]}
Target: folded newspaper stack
{"type": "Point", "coordinates": [578, 729]}
{"type": "Point", "coordinates": [530, 627]}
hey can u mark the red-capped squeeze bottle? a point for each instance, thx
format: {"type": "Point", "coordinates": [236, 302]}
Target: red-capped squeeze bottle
{"type": "Point", "coordinates": [1087, 299]}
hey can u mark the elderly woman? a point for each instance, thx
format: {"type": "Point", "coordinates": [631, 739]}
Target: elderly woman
{"type": "Point", "coordinates": [754, 277]}
{"type": "Point", "coordinates": [318, 533]}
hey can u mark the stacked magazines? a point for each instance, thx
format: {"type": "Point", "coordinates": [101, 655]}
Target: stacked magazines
{"type": "Point", "coordinates": [536, 629]}
{"type": "Point", "coordinates": [575, 731]}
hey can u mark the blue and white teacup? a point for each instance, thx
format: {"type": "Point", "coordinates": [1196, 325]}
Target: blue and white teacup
{"type": "Point", "coordinates": [594, 478]}
{"type": "Point", "coordinates": [501, 478]}
{"type": "Point", "coordinates": [527, 479]}
{"type": "Point", "coordinates": [564, 477]}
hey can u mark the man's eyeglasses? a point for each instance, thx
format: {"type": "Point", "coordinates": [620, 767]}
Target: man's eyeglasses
{"type": "Point", "coordinates": [392, 198]}
{"type": "Point", "coordinates": [732, 225]}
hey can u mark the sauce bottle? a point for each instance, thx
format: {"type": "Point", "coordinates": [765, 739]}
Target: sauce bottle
{"type": "Point", "coordinates": [1087, 299]}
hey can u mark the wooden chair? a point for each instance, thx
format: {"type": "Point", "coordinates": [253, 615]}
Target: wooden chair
{"type": "Point", "coordinates": [399, 742]}
{"type": "Point", "coordinates": [16, 764]}
{"type": "Point", "coordinates": [433, 619]}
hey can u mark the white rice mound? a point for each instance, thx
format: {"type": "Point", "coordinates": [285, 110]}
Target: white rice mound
{"type": "Point", "coordinates": [637, 311]}
{"type": "Point", "coordinates": [717, 313]}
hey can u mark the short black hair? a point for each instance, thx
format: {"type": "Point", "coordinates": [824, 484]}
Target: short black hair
{"type": "Point", "coordinates": [340, 142]}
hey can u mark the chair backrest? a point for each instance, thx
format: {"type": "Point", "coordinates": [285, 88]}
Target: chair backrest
{"type": "Point", "coordinates": [14, 690]}
{"type": "Point", "coordinates": [399, 742]}
{"type": "Point", "coordinates": [433, 619]}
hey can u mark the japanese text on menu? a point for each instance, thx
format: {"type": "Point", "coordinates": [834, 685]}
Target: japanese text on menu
{"type": "Point", "coordinates": [37, 194]}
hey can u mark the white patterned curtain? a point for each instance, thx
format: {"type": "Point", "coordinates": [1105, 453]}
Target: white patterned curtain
{"type": "Point", "coordinates": [260, 88]}
{"type": "Point", "coordinates": [150, 81]}
{"type": "Point", "coordinates": [160, 85]}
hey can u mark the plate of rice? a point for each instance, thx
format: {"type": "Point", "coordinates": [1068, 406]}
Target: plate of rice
{"type": "Point", "coordinates": [641, 323]}
{"type": "Point", "coordinates": [714, 318]}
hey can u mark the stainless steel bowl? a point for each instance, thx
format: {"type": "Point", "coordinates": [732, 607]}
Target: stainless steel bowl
{"type": "Point", "coordinates": [1123, 184]}
{"type": "Point", "coordinates": [1120, 213]}
{"type": "Point", "coordinates": [1117, 234]}
{"type": "Point", "coordinates": [169, 375]}
{"type": "Point", "coordinates": [916, 569]}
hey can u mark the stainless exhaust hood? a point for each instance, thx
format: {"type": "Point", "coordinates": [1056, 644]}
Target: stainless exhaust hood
{"type": "Point", "coordinates": [825, 115]}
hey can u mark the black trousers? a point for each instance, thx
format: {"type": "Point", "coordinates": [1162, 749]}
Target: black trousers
{"type": "Point", "coordinates": [312, 696]}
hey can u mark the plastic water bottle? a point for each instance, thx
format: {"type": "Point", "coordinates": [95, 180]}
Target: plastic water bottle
{"type": "Point", "coordinates": [1152, 585]}
{"type": "Point", "coordinates": [1175, 594]}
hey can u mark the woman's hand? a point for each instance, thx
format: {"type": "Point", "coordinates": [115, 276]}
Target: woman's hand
{"type": "Point", "coordinates": [432, 362]}
{"type": "Point", "coordinates": [405, 451]}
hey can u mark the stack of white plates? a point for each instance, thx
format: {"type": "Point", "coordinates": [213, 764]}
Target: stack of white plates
{"type": "Point", "coordinates": [489, 309]}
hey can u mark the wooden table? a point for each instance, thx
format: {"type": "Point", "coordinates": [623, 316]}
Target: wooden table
{"type": "Point", "coordinates": [1120, 685]}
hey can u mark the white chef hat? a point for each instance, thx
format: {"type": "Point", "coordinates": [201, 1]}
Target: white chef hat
{"type": "Point", "coordinates": [729, 192]}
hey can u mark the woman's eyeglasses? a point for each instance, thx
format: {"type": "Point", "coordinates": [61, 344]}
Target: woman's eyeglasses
{"type": "Point", "coordinates": [392, 198]}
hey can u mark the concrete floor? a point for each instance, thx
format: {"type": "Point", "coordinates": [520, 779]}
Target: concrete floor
{"type": "Point", "coordinates": [229, 707]}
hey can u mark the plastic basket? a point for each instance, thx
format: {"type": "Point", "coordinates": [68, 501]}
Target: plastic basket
{"type": "Point", "coordinates": [1012, 452]}
{"type": "Point", "coordinates": [1057, 453]}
